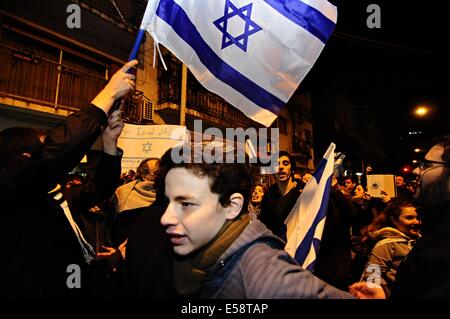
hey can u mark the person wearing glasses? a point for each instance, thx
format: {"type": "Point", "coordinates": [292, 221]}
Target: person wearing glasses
{"type": "Point", "coordinates": [425, 274]}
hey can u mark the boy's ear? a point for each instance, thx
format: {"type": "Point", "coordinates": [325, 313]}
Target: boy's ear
{"type": "Point", "coordinates": [236, 206]}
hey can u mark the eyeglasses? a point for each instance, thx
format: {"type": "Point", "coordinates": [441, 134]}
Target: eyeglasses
{"type": "Point", "coordinates": [424, 164]}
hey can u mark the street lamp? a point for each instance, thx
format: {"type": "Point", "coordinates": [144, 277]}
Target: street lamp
{"type": "Point", "coordinates": [421, 111]}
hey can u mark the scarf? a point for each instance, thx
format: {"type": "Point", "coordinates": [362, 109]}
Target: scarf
{"type": "Point", "coordinates": [190, 272]}
{"type": "Point", "coordinates": [254, 209]}
{"type": "Point", "coordinates": [86, 248]}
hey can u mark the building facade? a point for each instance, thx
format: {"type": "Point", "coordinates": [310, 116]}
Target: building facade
{"type": "Point", "coordinates": [50, 66]}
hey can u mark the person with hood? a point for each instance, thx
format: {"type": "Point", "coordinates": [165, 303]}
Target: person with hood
{"type": "Point", "coordinates": [133, 198]}
{"type": "Point", "coordinates": [394, 232]}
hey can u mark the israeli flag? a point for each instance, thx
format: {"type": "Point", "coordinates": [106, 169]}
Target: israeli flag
{"type": "Point", "coordinates": [306, 221]}
{"type": "Point", "coordinates": [253, 53]}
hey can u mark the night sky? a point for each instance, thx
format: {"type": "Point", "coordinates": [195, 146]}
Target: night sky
{"type": "Point", "coordinates": [392, 70]}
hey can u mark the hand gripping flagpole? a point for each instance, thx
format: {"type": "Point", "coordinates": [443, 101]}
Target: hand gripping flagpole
{"type": "Point", "coordinates": [149, 11]}
{"type": "Point", "coordinates": [133, 56]}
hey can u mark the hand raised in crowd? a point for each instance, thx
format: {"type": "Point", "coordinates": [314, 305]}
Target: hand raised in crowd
{"type": "Point", "coordinates": [112, 132]}
{"type": "Point", "coordinates": [362, 290]}
{"type": "Point", "coordinates": [334, 183]}
{"type": "Point", "coordinates": [121, 83]}
{"type": "Point", "coordinates": [364, 195]}
{"type": "Point", "coordinates": [115, 125]}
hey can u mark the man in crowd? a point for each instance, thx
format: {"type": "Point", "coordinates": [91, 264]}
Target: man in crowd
{"type": "Point", "coordinates": [333, 263]}
{"type": "Point", "coordinates": [403, 193]}
{"type": "Point", "coordinates": [281, 196]}
{"type": "Point", "coordinates": [349, 185]}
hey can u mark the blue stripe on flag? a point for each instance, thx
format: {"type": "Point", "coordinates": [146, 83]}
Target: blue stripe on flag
{"type": "Point", "coordinates": [305, 246]}
{"type": "Point", "coordinates": [319, 170]}
{"type": "Point", "coordinates": [283, 234]}
{"type": "Point", "coordinates": [305, 16]}
{"type": "Point", "coordinates": [175, 16]}
{"type": "Point", "coordinates": [316, 245]}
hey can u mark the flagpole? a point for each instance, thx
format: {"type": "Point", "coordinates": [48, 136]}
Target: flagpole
{"type": "Point", "coordinates": [183, 95]}
{"type": "Point", "coordinates": [137, 45]}
{"type": "Point", "coordinates": [149, 12]}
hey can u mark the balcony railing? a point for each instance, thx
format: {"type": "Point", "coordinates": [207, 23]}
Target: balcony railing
{"type": "Point", "coordinates": [198, 98]}
{"type": "Point", "coordinates": [42, 80]}
{"type": "Point", "coordinates": [201, 100]}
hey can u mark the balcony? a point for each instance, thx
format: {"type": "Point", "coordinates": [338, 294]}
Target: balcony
{"type": "Point", "coordinates": [43, 75]}
{"type": "Point", "coordinates": [201, 102]}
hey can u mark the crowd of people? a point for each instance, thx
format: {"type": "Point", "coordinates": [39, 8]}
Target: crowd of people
{"type": "Point", "coordinates": [186, 229]}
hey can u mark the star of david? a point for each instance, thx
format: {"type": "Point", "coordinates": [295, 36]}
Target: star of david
{"type": "Point", "coordinates": [250, 27]}
{"type": "Point", "coordinates": [147, 147]}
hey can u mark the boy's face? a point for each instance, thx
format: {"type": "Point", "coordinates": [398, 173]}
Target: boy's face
{"type": "Point", "coordinates": [284, 171]}
{"type": "Point", "coordinates": [349, 185]}
{"type": "Point", "coordinates": [194, 214]}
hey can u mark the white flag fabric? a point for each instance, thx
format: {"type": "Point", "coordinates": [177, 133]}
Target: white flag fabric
{"type": "Point", "coordinates": [305, 223]}
{"type": "Point", "coordinates": [253, 53]}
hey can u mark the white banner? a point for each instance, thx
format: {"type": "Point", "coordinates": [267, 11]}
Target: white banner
{"type": "Point", "coordinates": [139, 142]}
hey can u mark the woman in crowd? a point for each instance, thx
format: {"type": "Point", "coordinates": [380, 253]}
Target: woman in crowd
{"type": "Point", "coordinates": [394, 233]}
{"type": "Point", "coordinates": [255, 201]}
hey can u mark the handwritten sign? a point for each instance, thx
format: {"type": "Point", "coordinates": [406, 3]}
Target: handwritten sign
{"type": "Point", "coordinates": [139, 142]}
{"type": "Point", "coordinates": [377, 184]}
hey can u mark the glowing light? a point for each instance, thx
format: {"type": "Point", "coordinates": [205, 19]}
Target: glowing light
{"type": "Point", "coordinates": [414, 161]}
{"type": "Point", "coordinates": [417, 150]}
{"type": "Point", "coordinates": [407, 169]}
{"type": "Point", "coordinates": [421, 111]}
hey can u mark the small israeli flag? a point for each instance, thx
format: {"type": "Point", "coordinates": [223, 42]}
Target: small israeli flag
{"type": "Point", "coordinates": [306, 221]}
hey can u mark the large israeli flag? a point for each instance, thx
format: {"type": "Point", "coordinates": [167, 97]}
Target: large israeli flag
{"type": "Point", "coordinates": [306, 221]}
{"type": "Point", "coordinates": [253, 53]}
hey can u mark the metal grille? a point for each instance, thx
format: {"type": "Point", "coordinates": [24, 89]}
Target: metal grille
{"type": "Point", "coordinates": [147, 112]}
